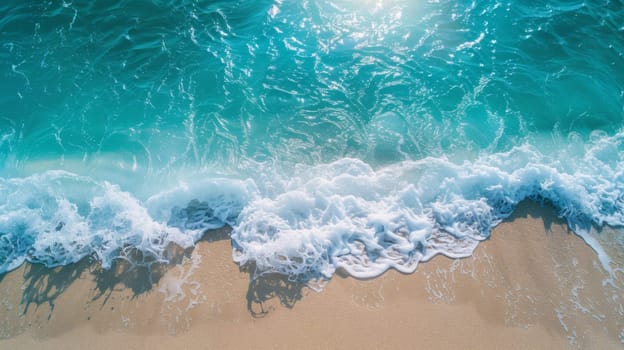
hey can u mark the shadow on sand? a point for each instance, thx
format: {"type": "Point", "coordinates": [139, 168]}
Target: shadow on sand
{"type": "Point", "coordinates": [264, 288]}
{"type": "Point", "coordinates": [42, 285]}
{"type": "Point", "coordinates": [543, 210]}
{"type": "Point", "coordinates": [267, 287]}
{"type": "Point", "coordinates": [134, 271]}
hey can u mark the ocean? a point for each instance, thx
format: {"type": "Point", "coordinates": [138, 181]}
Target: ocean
{"type": "Point", "coordinates": [353, 135]}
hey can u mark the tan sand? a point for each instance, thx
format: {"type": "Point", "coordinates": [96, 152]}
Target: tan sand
{"type": "Point", "coordinates": [533, 285]}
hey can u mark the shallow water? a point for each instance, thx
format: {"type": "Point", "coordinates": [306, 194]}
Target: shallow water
{"type": "Point", "coordinates": [354, 134]}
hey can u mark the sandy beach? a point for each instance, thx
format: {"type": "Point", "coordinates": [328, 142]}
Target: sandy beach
{"type": "Point", "coordinates": [533, 285]}
{"type": "Point", "coordinates": [173, 174]}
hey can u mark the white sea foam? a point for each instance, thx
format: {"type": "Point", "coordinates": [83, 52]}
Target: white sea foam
{"type": "Point", "coordinates": [316, 219]}
{"type": "Point", "coordinates": [57, 218]}
{"type": "Point", "coordinates": [347, 215]}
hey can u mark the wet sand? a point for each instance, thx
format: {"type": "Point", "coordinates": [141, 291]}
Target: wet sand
{"type": "Point", "coordinates": [533, 285]}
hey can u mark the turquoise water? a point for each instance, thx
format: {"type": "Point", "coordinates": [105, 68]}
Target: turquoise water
{"type": "Point", "coordinates": [361, 135]}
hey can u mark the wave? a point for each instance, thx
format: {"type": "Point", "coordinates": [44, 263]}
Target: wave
{"type": "Point", "coordinates": [315, 219]}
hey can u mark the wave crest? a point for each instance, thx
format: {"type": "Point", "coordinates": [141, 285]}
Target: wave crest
{"type": "Point", "coordinates": [306, 224]}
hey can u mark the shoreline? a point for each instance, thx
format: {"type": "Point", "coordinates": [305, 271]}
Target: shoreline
{"type": "Point", "coordinates": [533, 284]}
